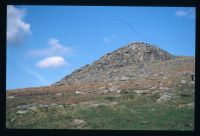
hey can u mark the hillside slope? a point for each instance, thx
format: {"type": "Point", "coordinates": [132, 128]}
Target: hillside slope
{"type": "Point", "coordinates": [137, 87]}
{"type": "Point", "coordinates": [131, 62]}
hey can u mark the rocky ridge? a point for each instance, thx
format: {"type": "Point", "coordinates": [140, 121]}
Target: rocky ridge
{"type": "Point", "coordinates": [131, 62]}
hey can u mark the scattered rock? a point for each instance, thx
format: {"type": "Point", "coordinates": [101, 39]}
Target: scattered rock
{"type": "Point", "coordinates": [190, 105]}
{"type": "Point", "coordinates": [103, 91]}
{"type": "Point", "coordinates": [181, 105]}
{"type": "Point", "coordinates": [58, 94]}
{"type": "Point", "coordinates": [145, 122]}
{"type": "Point", "coordinates": [79, 122]}
{"type": "Point", "coordinates": [123, 78]}
{"type": "Point", "coordinates": [93, 104]}
{"type": "Point", "coordinates": [165, 78]}
{"type": "Point", "coordinates": [27, 107]}
{"type": "Point", "coordinates": [79, 92]}
{"type": "Point", "coordinates": [166, 96]}
{"type": "Point", "coordinates": [60, 106]}
{"type": "Point", "coordinates": [22, 112]}
{"type": "Point", "coordinates": [44, 105]}
{"type": "Point", "coordinates": [73, 104]}
{"type": "Point", "coordinates": [10, 97]}
{"type": "Point", "coordinates": [101, 88]}
{"type": "Point", "coordinates": [183, 82]}
{"type": "Point", "coordinates": [32, 108]}
{"type": "Point", "coordinates": [12, 120]}
{"type": "Point", "coordinates": [53, 104]}
{"type": "Point", "coordinates": [97, 104]}
{"type": "Point", "coordinates": [154, 87]}
{"type": "Point", "coordinates": [141, 91]}
{"type": "Point", "coordinates": [114, 89]}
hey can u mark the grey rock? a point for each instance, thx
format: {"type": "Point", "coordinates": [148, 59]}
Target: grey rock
{"type": "Point", "coordinates": [58, 94]}
{"type": "Point", "coordinates": [166, 96]}
{"type": "Point", "coordinates": [183, 82]}
{"type": "Point", "coordinates": [77, 122]}
{"type": "Point", "coordinates": [79, 92]}
{"type": "Point", "coordinates": [114, 89]}
{"type": "Point", "coordinates": [26, 107]}
{"type": "Point", "coordinates": [190, 105]}
{"type": "Point", "coordinates": [141, 91]}
{"type": "Point", "coordinates": [10, 97]}
{"type": "Point", "coordinates": [134, 61]}
{"type": "Point", "coordinates": [44, 105]}
{"type": "Point", "coordinates": [12, 120]}
{"type": "Point", "coordinates": [22, 112]}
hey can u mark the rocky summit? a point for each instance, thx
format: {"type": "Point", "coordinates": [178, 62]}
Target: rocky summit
{"type": "Point", "coordinates": [131, 62]}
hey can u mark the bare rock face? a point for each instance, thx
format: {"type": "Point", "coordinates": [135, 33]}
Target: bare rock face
{"type": "Point", "coordinates": [134, 61]}
{"type": "Point", "coordinates": [135, 53]}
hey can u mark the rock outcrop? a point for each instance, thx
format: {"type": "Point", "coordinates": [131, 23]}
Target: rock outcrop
{"type": "Point", "coordinates": [134, 61]}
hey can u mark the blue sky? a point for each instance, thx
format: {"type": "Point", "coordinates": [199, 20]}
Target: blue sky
{"type": "Point", "coordinates": [45, 43]}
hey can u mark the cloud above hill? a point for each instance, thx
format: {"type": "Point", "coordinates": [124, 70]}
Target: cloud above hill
{"type": "Point", "coordinates": [53, 55]}
{"type": "Point", "coordinates": [54, 62]}
{"type": "Point", "coordinates": [55, 49]}
{"type": "Point", "coordinates": [17, 28]}
{"type": "Point", "coordinates": [190, 12]}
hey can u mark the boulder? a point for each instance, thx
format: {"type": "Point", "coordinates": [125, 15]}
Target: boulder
{"type": "Point", "coordinates": [10, 97]}
{"type": "Point", "coordinates": [114, 89]}
{"type": "Point", "coordinates": [22, 112]}
{"type": "Point", "coordinates": [78, 122]}
{"type": "Point", "coordinates": [166, 96]}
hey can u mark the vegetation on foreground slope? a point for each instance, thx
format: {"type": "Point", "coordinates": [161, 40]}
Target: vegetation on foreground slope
{"type": "Point", "coordinates": [127, 109]}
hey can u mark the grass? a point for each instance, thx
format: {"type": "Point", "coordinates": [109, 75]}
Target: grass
{"type": "Point", "coordinates": [130, 112]}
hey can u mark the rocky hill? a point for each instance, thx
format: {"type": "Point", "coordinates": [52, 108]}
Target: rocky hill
{"type": "Point", "coordinates": [131, 62]}
{"type": "Point", "coordinates": [137, 87]}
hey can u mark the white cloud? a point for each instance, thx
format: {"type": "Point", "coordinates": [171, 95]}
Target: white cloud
{"type": "Point", "coordinates": [54, 62]}
{"type": "Point", "coordinates": [17, 28]}
{"type": "Point", "coordinates": [109, 39]}
{"type": "Point", "coordinates": [36, 75]}
{"type": "Point", "coordinates": [190, 12]}
{"type": "Point", "coordinates": [181, 13]}
{"type": "Point", "coordinates": [55, 49]}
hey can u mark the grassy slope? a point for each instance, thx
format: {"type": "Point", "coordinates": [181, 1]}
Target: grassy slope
{"type": "Point", "coordinates": [105, 111]}
{"type": "Point", "coordinates": [110, 110]}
